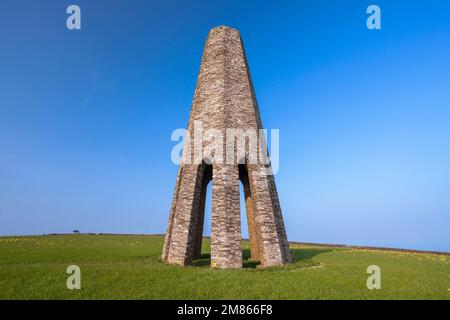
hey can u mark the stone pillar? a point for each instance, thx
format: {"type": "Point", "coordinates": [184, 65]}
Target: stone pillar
{"type": "Point", "coordinates": [269, 225]}
{"type": "Point", "coordinates": [185, 220]}
{"type": "Point", "coordinates": [226, 239]}
{"type": "Point", "coordinates": [251, 212]}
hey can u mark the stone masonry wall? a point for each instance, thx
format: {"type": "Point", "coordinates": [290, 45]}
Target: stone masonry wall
{"type": "Point", "coordinates": [224, 98]}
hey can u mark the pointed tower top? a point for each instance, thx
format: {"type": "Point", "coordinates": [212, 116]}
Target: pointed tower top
{"type": "Point", "coordinates": [223, 27]}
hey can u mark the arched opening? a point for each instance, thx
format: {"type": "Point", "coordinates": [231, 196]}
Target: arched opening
{"type": "Point", "coordinates": [253, 253]}
{"type": "Point", "coordinates": [205, 172]}
{"type": "Point", "coordinates": [202, 252]}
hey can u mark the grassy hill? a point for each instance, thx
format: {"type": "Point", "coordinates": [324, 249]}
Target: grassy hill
{"type": "Point", "coordinates": [129, 267]}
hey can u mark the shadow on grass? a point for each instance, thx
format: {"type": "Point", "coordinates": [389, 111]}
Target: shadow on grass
{"type": "Point", "coordinates": [298, 255]}
{"type": "Point", "coordinates": [306, 253]}
{"type": "Point", "coordinates": [205, 260]}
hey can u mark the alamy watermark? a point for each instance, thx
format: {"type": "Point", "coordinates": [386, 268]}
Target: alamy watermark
{"type": "Point", "coordinates": [74, 280]}
{"type": "Point", "coordinates": [374, 20]}
{"type": "Point", "coordinates": [374, 280]}
{"type": "Point", "coordinates": [228, 146]}
{"type": "Point", "coordinates": [73, 21]}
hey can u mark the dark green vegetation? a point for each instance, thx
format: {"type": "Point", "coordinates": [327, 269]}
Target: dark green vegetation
{"type": "Point", "coordinates": [129, 267]}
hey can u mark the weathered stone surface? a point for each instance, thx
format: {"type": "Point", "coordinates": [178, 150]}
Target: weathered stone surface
{"type": "Point", "coordinates": [224, 98]}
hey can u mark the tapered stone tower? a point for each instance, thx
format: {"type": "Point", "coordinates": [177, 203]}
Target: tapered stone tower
{"type": "Point", "coordinates": [224, 99]}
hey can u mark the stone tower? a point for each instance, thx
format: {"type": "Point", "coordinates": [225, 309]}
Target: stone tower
{"type": "Point", "coordinates": [224, 99]}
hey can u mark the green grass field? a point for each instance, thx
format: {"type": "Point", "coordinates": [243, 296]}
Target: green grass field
{"type": "Point", "coordinates": [129, 267]}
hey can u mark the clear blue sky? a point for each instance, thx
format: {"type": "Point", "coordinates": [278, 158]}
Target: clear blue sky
{"type": "Point", "coordinates": [86, 116]}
